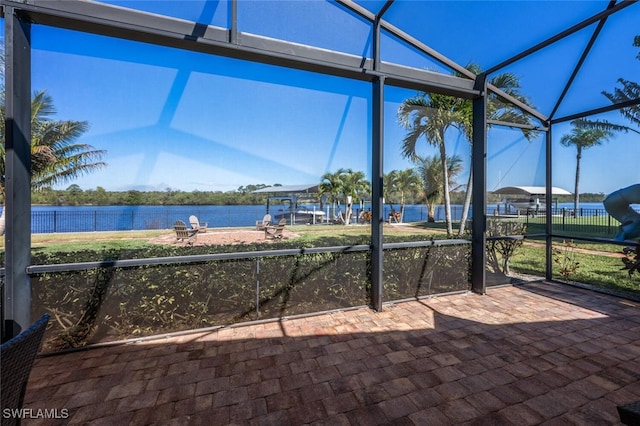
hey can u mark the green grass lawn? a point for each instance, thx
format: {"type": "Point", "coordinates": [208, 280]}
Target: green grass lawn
{"type": "Point", "coordinates": [593, 261]}
{"type": "Point", "coordinates": [127, 240]}
{"type": "Point", "coordinates": [590, 268]}
{"type": "Point", "coordinates": [79, 241]}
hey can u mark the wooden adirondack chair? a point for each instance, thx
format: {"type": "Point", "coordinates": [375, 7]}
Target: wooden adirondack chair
{"type": "Point", "coordinates": [275, 231]}
{"type": "Point", "coordinates": [185, 234]}
{"type": "Point", "coordinates": [266, 221]}
{"type": "Point", "coordinates": [195, 224]}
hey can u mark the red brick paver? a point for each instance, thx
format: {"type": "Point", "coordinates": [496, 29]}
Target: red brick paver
{"type": "Point", "coordinates": [537, 353]}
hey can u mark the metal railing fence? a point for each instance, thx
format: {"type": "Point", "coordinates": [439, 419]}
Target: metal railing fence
{"type": "Point", "coordinates": [91, 220]}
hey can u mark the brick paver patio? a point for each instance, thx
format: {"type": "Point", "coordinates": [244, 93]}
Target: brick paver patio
{"type": "Point", "coordinates": [540, 353]}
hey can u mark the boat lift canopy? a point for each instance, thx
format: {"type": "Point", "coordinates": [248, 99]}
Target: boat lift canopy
{"type": "Point", "coordinates": [290, 196]}
{"type": "Point", "coordinates": [530, 191]}
{"type": "Point", "coordinates": [289, 189]}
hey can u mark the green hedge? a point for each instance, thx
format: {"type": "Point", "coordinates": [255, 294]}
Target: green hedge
{"type": "Point", "coordinates": [108, 304]}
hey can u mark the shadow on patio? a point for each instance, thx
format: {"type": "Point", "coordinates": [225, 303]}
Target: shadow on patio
{"type": "Point", "coordinates": [536, 353]}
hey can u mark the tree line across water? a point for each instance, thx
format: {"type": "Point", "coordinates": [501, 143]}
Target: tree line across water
{"type": "Point", "coordinates": [75, 196]}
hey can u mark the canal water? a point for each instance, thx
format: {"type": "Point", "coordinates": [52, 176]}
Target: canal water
{"type": "Point", "coordinates": [48, 219]}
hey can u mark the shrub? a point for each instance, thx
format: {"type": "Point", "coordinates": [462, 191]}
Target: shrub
{"type": "Point", "coordinates": [500, 251]}
{"type": "Point", "coordinates": [107, 304]}
{"type": "Point", "coordinates": [631, 260]}
{"type": "Point", "coordinates": [565, 258]}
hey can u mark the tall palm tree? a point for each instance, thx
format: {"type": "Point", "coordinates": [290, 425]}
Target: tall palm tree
{"type": "Point", "coordinates": [500, 110]}
{"type": "Point", "coordinates": [587, 133]}
{"type": "Point", "coordinates": [583, 136]}
{"type": "Point", "coordinates": [429, 171]}
{"type": "Point", "coordinates": [56, 157]}
{"type": "Point", "coordinates": [405, 183]}
{"type": "Point", "coordinates": [430, 116]}
{"type": "Point", "coordinates": [457, 113]}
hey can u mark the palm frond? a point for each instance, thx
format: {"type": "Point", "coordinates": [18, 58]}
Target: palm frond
{"type": "Point", "coordinates": [410, 142]}
{"type": "Point", "coordinates": [603, 125]}
{"type": "Point", "coordinates": [56, 157]}
{"type": "Point", "coordinates": [629, 91]}
{"type": "Point", "coordinates": [41, 107]}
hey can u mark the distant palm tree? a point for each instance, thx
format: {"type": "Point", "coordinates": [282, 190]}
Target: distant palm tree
{"type": "Point", "coordinates": [354, 187]}
{"type": "Point", "coordinates": [403, 182]}
{"type": "Point", "coordinates": [587, 133]}
{"type": "Point", "coordinates": [387, 189]}
{"type": "Point", "coordinates": [331, 187]}
{"type": "Point", "coordinates": [344, 184]}
{"type": "Point", "coordinates": [56, 157]}
{"type": "Point", "coordinates": [583, 136]}
{"type": "Point", "coordinates": [430, 172]}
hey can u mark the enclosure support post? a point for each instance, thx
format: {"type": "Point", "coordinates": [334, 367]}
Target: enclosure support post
{"type": "Point", "coordinates": [479, 197]}
{"type": "Point", "coordinates": [548, 216]}
{"type": "Point", "coordinates": [233, 31]}
{"type": "Point", "coordinates": [377, 206]}
{"type": "Point", "coordinates": [17, 291]}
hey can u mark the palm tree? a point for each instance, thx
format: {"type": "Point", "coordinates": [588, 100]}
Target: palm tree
{"type": "Point", "coordinates": [587, 133]}
{"type": "Point", "coordinates": [387, 189]}
{"type": "Point", "coordinates": [331, 187]}
{"type": "Point", "coordinates": [431, 173]}
{"type": "Point", "coordinates": [457, 113]}
{"type": "Point", "coordinates": [354, 187]}
{"type": "Point", "coordinates": [429, 170]}
{"type": "Point", "coordinates": [347, 184]}
{"type": "Point", "coordinates": [403, 182]}
{"type": "Point", "coordinates": [430, 116]}
{"type": "Point", "coordinates": [500, 110]}
{"type": "Point", "coordinates": [583, 136]}
{"type": "Point", "coordinates": [56, 157]}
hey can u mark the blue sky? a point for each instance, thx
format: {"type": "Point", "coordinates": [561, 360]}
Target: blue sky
{"type": "Point", "coordinates": [169, 118]}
